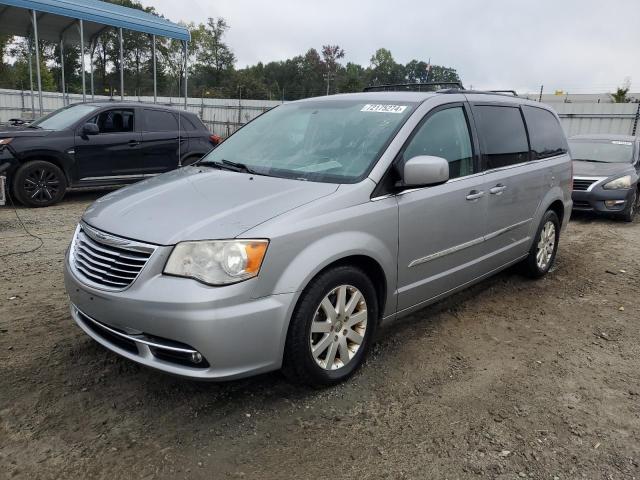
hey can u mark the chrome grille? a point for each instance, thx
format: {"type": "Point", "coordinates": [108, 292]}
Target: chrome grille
{"type": "Point", "coordinates": [106, 261]}
{"type": "Point", "coordinates": [583, 184]}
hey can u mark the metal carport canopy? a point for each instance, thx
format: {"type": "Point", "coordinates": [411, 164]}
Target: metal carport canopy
{"type": "Point", "coordinates": [54, 16]}
{"type": "Point", "coordinates": [81, 21]}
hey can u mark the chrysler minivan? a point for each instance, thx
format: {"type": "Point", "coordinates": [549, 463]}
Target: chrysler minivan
{"type": "Point", "coordinates": [290, 243]}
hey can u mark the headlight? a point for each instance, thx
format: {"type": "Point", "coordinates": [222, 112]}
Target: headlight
{"type": "Point", "coordinates": [618, 183]}
{"type": "Point", "coordinates": [5, 141]}
{"type": "Point", "coordinates": [217, 262]}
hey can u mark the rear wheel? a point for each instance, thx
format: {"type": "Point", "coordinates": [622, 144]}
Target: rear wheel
{"type": "Point", "coordinates": [332, 327]}
{"type": "Point", "coordinates": [39, 184]}
{"type": "Point", "coordinates": [544, 248]}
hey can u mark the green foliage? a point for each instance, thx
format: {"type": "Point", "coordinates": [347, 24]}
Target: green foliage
{"type": "Point", "coordinates": [620, 95]}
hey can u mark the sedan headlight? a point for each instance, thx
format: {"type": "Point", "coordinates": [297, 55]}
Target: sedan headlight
{"type": "Point", "coordinates": [618, 183]}
{"type": "Point", "coordinates": [217, 262]}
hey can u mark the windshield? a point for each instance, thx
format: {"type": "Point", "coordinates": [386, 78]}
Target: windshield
{"type": "Point", "coordinates": [64, 118]}
{"type": "Point", "coordinates": [335, 141]}
{"type": "Point", "coordinates": [608, 151]}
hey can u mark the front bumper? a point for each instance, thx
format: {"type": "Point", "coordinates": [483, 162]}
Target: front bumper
{"type": "Point", "coordinates": [237, 335]}
{"type": "Point", "coordinates": [594, 200]}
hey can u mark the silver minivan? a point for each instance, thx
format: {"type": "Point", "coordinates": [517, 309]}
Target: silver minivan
{"type": "Point", "coordinates": [292, 241]}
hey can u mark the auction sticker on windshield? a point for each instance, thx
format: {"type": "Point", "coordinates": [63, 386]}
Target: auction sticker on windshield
{"type": "Point", "coordinates": [369, 107]}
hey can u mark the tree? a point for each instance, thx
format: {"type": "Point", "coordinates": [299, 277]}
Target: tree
{"type": "Point", "coordinates": [620, 95]}
{"type": "Point", "coordinates": [330, 56]}
{"type": "Point", "coordinates": [384, 69]}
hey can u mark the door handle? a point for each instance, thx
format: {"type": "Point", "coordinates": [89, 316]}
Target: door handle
{"type": "Point", "coordinates": [474, 195]}
{"type": "Point", "coordinates": [498, 189]}
{"type": "Point", "coordinates": [134, 143]}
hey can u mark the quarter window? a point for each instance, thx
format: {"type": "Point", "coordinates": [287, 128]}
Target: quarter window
{"type": "Point", "coordinates": [445, 134]}
{"type": "Point", "coordinates": [545, 133]}
{"type": "Point", "coordinates": [160, 121]}
{"type": "Point", "coordinates": [502, 134]}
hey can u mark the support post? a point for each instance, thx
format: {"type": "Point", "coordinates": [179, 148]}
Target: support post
{"type": "Point", "coordinates": [34, 21]}
{"type": "Point", "coordinates": [64, 97]}
{"type": "Point", "coordinates": [121, 64]}
{"type": "Point", "coordinates": [33, 105]}
{"type": "Point", "coordinates": [84, 86]}
{"type": "Point", "coordinates": [155, 82]}
{"type": "Point", "coordinates": [92, 48]}
{"type": "Point", "coordinates": [186, 69]}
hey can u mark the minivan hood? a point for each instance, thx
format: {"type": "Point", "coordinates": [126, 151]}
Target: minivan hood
{"type": "Point", "coordinates": [600, 169]}
{"type": "Point", "coordinates": [199, 203]}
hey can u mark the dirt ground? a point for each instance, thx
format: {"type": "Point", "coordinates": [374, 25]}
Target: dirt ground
{"type": "Point", "coordinates": [510, 379]}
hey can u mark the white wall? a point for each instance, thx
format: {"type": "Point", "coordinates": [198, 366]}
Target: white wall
{"type": "Point", "coordinates": [222, 116]}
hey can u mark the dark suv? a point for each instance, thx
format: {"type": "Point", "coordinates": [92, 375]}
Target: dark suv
{"type": "Point", "coordinates": [97, 145]}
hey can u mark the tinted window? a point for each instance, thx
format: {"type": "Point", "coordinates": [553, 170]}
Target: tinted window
{"type": "Point", "coordinates": [160, 121]}
{"type": "Point", "coordinates": [186, 124]}
{"type": "Point", "coordinates": [114, 121]}
{"type": "Point", "coordinates": [545, 133]}
{"type": "Point", "coordinates": [502, 134]}
{"type": "Point", "coordinates": [445, 134]}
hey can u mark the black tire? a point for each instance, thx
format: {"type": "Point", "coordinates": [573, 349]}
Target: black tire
{"type": "Point", "coordinates": [530, 265]}
{"type": "Point", "coordinates": [299, 364]}
{"type": "Point", "coordinates": [629, 213]}
{"type": "Point", "coordinates": [39, 184]}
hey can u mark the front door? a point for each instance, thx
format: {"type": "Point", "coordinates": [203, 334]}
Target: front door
{"type": "Point", "coordinates": [441, 227]}
{"type": "Point", "coordinates": [113, 154]}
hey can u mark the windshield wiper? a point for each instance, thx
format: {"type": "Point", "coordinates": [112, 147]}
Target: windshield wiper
{"type": "Point", "coordinates": [588, 160]}
{"type": "Point", "coordinates": [34, 126]}
{"type": "Point", "coordinates": [240, 166]}
{"type": "Point", "coordinates": [229, 165]}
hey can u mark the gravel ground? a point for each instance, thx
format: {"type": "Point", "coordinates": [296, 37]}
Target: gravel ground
{"type": "Point", "coordinates": [510, 379]}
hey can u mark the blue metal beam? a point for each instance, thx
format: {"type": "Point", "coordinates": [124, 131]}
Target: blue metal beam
{"type": "Point", "coordinates": [106, 14]}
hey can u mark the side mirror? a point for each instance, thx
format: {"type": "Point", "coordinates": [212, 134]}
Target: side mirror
{"type": "Point", "coordinates": [90, 129]}
{"type": "Point", "coordinates": [425, 170]}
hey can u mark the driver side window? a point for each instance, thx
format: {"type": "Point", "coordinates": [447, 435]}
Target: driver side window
{"type": "Point", "coordinates": [114, 121]}
{"type": "Point", "coordinates": [445, 134]}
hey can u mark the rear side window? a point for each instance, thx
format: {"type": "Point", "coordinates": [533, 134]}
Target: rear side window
{"type": "Point", "coordinates": [545, 133]}
{"type": "Point", "coordinates": [502, 135]}
{"type": "Point", "coordinates": [160, 121]}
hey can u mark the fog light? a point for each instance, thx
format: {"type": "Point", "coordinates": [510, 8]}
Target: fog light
{"type": "Point", "coordinates": [613, 203]}
{"type": "Point", "coordinates": [196, 357]}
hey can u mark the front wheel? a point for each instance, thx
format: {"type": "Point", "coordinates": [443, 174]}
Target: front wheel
{"type": "Point", "coordinates": [332, 327]}
{"type": "Point", "coordinates": [39, 184]}
{"type": "Point", "coordinates": [544, 248]}
{"type": "Point", "coordinates": [630, 212]}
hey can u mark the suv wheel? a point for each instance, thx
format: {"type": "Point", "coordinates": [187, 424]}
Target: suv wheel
{"type": "Point", "coordinates": [630, 212]}
{"type": "Point", "coordinates": [544, 248]}
{"type": "Point", "coordinates": [39, 184]}
{"type": "Point", "coordinates": [332, 327]}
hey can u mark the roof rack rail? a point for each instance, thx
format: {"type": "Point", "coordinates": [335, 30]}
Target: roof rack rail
{"type": "Point", "coordinates": [395, 87]}
{"type": "Point", "coordinates": [512, 92]}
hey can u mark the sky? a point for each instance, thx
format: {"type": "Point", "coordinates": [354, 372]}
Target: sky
{"type": "Point", "coordinates": [576, 46]}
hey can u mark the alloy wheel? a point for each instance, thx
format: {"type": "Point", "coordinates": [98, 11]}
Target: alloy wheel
{"type": "Point", "coordinates": [41, 184]}
{"type": "Point", "coordinates": [338, 327]}
{"type": "Point", "coordinates": [546, 245]}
